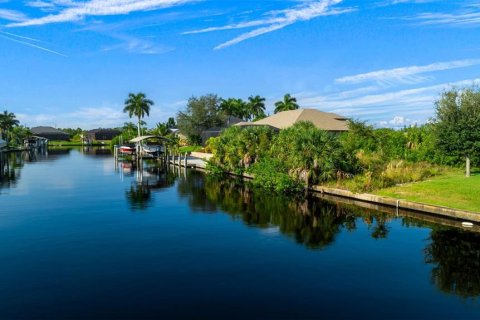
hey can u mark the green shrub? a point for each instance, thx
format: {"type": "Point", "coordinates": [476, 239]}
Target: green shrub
{"type": "Point", "coordinates": [272, 174]}
{"type": "Point", "coordinates": [238, 148]}
{"type": "Point", "coordinates": [312, 155]}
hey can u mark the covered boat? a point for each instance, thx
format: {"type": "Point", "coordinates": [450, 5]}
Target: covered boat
{"type": "Point", "coordinates": [150, 145]}
{"type": "Point", "coordinates": [127, 149]}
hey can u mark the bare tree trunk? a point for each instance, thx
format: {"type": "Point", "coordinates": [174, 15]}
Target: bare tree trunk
{"type": "Point", "coordinates": [467, 165]}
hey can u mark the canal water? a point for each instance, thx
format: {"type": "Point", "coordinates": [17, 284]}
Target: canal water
{"type": "Point", "coordinates": [82, 237]}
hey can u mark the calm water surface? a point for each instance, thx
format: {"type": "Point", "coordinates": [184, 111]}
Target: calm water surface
{"type": "Point", "coordinates": [82, 238]}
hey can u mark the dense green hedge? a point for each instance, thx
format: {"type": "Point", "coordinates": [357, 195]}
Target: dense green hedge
{"type": "Point", "coordinates": [362, 159]}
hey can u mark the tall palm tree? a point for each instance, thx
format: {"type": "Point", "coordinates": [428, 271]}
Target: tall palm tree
{"type": "Point", "coordinates": [256, 106]}
{"type": "Point", "coordinates": [288, 103]}
{"type": "Point", "coordinates": [7, 122]}
{"type": "Point", "coordinates": [234, 107]}
{"type": "Point", "coordinates": [138, 105]}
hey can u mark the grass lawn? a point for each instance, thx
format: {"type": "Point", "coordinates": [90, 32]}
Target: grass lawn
{"type": "Point", "coordinates": [56, 143]}
{"type": "Point", "coordinates": [451, 189]}
{"type": "Point", "coordinates": [190, 148]}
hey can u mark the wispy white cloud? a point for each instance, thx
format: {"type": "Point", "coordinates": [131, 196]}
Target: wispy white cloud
{"type": "Point", "coordinates": [75, 11]}
{"type": "Point", "coordinates": [416, 104]}
{"type": "Point", "coordinates": [406, 75]}
{"type": "Point", "coordinates": [12, 15]}
{"type": "Point", "coordinates": [19, 36]}
{"type": "Point", "coordinates": [452, 19]}
{"type": "Point", "coordinates": [107, 115]}
{"type": "Point", "coordinates": [468, 15]}
{"type": "Point", "coordinates": [49, 5]}
{"type": "Point", "coordinates": [27, 41]}
{"type": "Point", "coordinates": [398, 122]}
{"type": "Point", "coordinates": [85, 118]}
{"type": "Point", "coordinates": [279, 19]}
{"type": "Point", "coordinates": [137, 45]}
{"type": "Point", "coordinates": [394, 2]}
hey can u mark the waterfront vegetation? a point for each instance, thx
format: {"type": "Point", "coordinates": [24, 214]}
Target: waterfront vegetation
{"type": "Point", "coordinates": [363, 159]}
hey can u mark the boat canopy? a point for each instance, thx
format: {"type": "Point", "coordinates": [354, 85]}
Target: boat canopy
{"type": "Point", "coordinates": [38, 138]}
{"type": "Point", "coordinates": [141, 138]}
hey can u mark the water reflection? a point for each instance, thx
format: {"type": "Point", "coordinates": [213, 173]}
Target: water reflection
{"type": "Point", "coordinates": [10, 169]}
{"type": "Point", "coordinates": [96, 151]}
{"type": "Point", "coordinates": [149, 176]}
{"type": "Point", "coordinates": [312, 222]}
{"type": "Point", "coordinates": [13, 162]}
{"type": "Point", "coordinates": [455, 255]}
{"type": "Point", "coordinates": [316, 223]}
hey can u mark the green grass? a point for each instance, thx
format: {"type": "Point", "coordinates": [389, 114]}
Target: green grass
{"type": "Point", "coordinates": [190, 149]}
{"type": "Point", "coordinates": [451, 189]}
{"type": "Point", "coordinates": [55, 143]}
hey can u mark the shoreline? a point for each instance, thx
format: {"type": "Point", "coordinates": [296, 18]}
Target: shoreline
{"type": "Point", "coordinates": [397, 204]}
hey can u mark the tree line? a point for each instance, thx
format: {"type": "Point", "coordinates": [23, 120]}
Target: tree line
{"type": "Point", "coordinates": [210, 111]}
{"type": "Point", "coordinates": [364, 158]}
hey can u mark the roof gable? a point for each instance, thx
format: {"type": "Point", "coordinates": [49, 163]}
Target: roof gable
{"type": "Point", "coordinates": [322, 120]}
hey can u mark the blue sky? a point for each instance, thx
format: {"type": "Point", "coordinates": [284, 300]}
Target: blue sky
{"type": "Point", "coordinates": [71, 63]}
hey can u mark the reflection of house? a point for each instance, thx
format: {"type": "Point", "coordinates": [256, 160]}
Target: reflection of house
{"type": "Point", "coordinates": [50, 133]}
{"type": "Point", "coordinates": [215, 131]}
{"type": "Point", "coordinates": [102, 134]}
{"type": "Point", "coordinates": [322, 120]}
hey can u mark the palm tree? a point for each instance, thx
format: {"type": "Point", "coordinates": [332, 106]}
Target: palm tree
{"type": "Point", "coordinates": [129, 128]}
{"type": "Point", "coordinates": [138, 105]}
{"type": "Point", "coordinates": [234, 107]}
{"type": "Point", "coordinates": [7, 122]}
{"type": "Point", "coordinates": [288, 103]}
{"type": "Point", "coordinates": [19, 134]}
{"type": "Point", "coordinates": [161, 129]}
{"type": "Point", "coordinates": [256, 106]}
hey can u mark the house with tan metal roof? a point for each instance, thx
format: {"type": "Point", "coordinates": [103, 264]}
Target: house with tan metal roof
{"type": "Point", "coordinates": [322, 120]}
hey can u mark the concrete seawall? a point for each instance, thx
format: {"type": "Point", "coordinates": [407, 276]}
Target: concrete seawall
{"type": "Point", "coordinates": [397, 204]}
{"type": "Point", "coordinates": [403, 204]}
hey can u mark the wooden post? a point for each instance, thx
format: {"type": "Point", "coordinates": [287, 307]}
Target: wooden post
{"type": "Point", "coordinates": [1, 163]}
{"type": "Point", "coordinates": [185, 160]}
{"type": "Point", "coordinates": [467, 173]}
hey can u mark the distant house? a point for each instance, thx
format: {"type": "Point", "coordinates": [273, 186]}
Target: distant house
{"type": "Point", "coordinates": [322, 120]}
{"type": "Point", "coordinates": [215, 131]}
{"type": "Point", "coordinates": [102, 134]}
{"type": "Point", "coordinates": [50, 133]}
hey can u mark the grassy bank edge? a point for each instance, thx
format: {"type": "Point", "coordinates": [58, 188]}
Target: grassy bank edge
{"type": "Point", "coordinates": [450, 189]}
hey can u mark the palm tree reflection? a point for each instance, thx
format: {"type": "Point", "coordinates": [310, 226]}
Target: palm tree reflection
{"type": "Point", "coordinates": [311, 222]}
{"type": "Point", "coordinates": [139, 196]}
{"type": "Point", "coordinates": [149, 176]}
